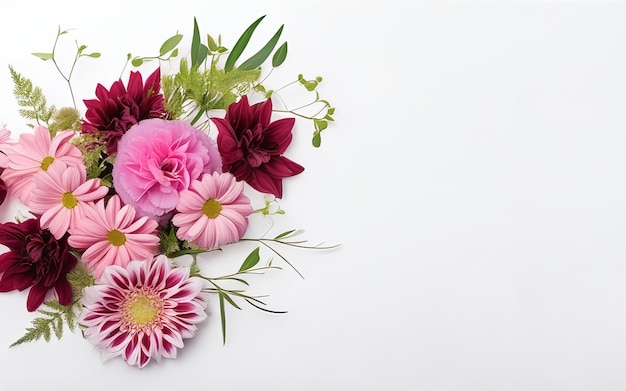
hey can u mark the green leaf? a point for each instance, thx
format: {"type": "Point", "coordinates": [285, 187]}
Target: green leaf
{"type": "Point", "coordinates": [211, 42]}
{"type": "Point", "coordinates": [241, 44]}
{"type": "Point", "coordinates": [43, 56]}
{"type": "Point", "coordinates": [251, 260]}
{"type": "Point", "coordinates": [259, 57]}
{"type": "Point", "coordinates": [222, 317]}
{"type": "Point", "coordinates": [286, 233]}
{"type": "Point", "coordinates": [137, 61]}
{"type": "Point", "coordinates": [170, 44]}
{"type": "Point", "coordinates": [320, 124]}
{"type": "Point", "coordinates": [93, 55]}
{"type": "Point", "coordinates": [198, 50]}
{"type": "Point", "coordinates": [280, 55]}
{"type": "Point", "coordinates": [317, 139]}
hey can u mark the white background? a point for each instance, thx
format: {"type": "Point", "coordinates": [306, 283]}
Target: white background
{"type": "Point", "coordinates": [474, 177]}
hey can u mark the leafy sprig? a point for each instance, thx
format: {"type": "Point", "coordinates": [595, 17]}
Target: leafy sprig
{"type": "Point", "coordinates": [31, 99]}
{"type": "Point", "coordinates": [57, 315]}
{"type": "Point", "coordinates": [80, 52]}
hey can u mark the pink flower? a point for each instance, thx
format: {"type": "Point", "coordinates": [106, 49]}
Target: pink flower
{"type": "Point", "coordinates": [213, 212]}
{"type": "Point", "coordinates": [34, 153]}
{"type": "Point", "coordinates": [157, 159]}
{"type": "Point", "coordinates": [119, 108]}
{"type": "Point", "coordinates": [112, 235]}
{"type": "Point", "coordinates": [252, 147]}
{"type": "Point", "coordinates": [143, 311]}
{"type": "Point", "coordinates": [60, 196]}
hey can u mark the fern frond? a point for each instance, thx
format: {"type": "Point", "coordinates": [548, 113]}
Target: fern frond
{"type": "Point", "coordinates": [31, 99]}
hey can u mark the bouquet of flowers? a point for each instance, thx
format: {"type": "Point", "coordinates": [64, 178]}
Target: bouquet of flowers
{"type": "Point", "coordinates": [159, 168]}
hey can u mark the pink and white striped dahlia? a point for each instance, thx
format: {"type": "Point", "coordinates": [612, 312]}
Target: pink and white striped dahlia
{"type": "Point", "coordinates": [143, 311]}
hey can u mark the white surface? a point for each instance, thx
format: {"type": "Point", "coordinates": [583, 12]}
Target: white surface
{"type": "Point", "coordinates": [474, 177]}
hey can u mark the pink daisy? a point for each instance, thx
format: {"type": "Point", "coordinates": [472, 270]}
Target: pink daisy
{"type": "Point", "coordinates": [112, 235]}
{"type": "Point", "coordinates": [61, 195]}
{"type": "Point", "coordinates": [34, 153]}
{"type": "Point", "coordinates": [213, 212]}
{"type": "Point", "coordinates": [143, 311]}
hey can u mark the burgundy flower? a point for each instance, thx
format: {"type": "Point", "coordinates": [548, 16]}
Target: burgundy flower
{"type": "Point", "coordinates": [3, 188]}
{"type": "Point", "coordinates": [252, 147]}
{"type": "Point", "coordinates": [37, 260]}
{"type": "Point", "coordinates": [119, 108]}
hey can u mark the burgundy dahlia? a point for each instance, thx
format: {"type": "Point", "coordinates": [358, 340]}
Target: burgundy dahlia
{"type": "Point", "coordinates": [116, 110]}
{"type": "Point", "coordinates": [37, 260]}
{"type": "Point", "coordinates": [252, 147]}
{"type": "Point", "coordinates": [3, 188]}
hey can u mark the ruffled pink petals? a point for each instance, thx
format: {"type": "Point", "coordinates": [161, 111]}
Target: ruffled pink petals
{"type": "Point", "coordinates": [213, 212]}
{"type": "Point", "coordinates": [157, 159]}
{"type": "Point", "coordinates": [153, 309]}
{"type": "Point", "coordinates": [252, 146]}
{"type": "Point", "coordinates": [113, 235]}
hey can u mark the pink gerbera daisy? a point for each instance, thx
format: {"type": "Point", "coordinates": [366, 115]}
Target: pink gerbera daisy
{"type": "Point", "coordinates": [112, 235]}
{"type": "Point", "coordinates": [61, 195]}
{"type": "Point", "coordinates": [213, 212]}
{"type": "Point", "coordinates": [34, 153]}
{"type": "Point", "coordinates": [143, 311]}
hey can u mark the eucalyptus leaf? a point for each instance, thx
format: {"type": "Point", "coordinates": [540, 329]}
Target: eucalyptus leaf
{"type": "Point", "coordinates": [241, 44]}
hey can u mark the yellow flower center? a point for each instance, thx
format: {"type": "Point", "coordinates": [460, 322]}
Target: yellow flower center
{"type": "Point", "coordinates": [46, 162]}
{"type": "Point", "coordinates": [116, 238]}
{"type": "Point", "coordinates": [142, 309]}
{"type": "Point", "coordinates": [212, 208]}
{"type": "Point", "coordinates": [69, 201]}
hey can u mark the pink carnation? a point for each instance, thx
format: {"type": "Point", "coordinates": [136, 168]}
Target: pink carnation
{"type": "Point", "coordinates": [157, 159]}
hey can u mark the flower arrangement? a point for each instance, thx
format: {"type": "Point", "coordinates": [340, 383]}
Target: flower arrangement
{"type": "Point", "coordinates": [162, 167]}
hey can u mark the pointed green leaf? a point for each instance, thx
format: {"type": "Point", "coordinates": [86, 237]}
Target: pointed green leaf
{"type": "Point", "coordinates": [222, 317]}
{"type": "Point", "coordinates": [251, 260]}
{"type": "Point", "coordinates": [259, 57]}
{"type": "Point", "coordinates": [43, 56]}
{"type": "Point", "coordinates": [197, 53]}
{"type": "Point", "coordinates": [286, 233]}
{"type": "Point", "coordinates": [280, 55]}
{"type": "Point", "coordinates": [241, 44]}
{"type": "Point", "coordinates": [170, 44]}
{"type": "Point", "coordinates": [211, 42]}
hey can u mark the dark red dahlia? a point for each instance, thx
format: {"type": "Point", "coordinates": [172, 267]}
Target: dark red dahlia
{"type": "Point", "coordinates": [3, 188]}
{"type": "Point", "coordinates": [37, 260]}
{"type": "Point", "coordinates": [252, 148]}
{"type": "Point", "coordinates": [119, 108]}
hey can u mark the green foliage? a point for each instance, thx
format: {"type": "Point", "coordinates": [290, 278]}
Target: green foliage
{"type": "Point", "coordinates": [31, 99]}
{"type": "Point", "coordinates": [98, 163]}
{"type": "Point", "coordinates": [80, 52]}
{"type": "Point", "coordinates": [66, 118]}
{"type": "Point", "coordinates": [55, 315]}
